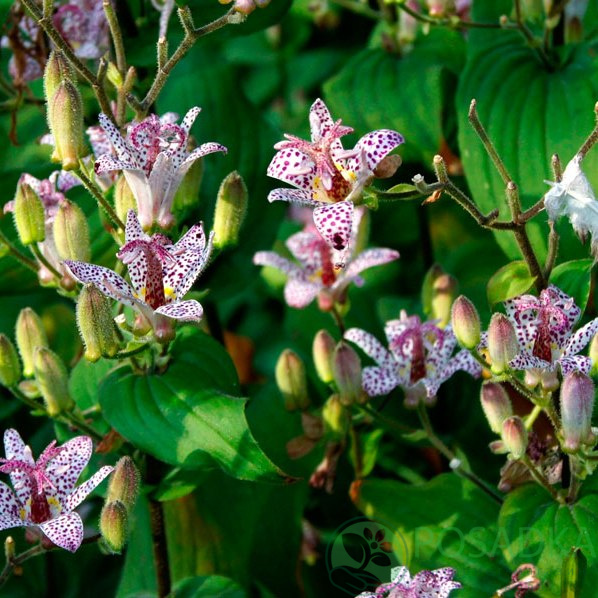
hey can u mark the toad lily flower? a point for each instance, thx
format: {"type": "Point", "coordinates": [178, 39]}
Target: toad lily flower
{"type": "Point", "coordinates": [316, 270]}
{"type": "Point", "coordinates": [573, 197]}
{"type": "Point", "coordinates": [327, 177]}
{"type": "Point", "coordinates": [543, 326]}
{"type": "Point", "coordinates": [44, 490]}
{"type": "Point", "coordinates": [419, 361]}
{"type": "Point", "coordinates": [438, 583]}
{"type": "Point", "coordinates": [154, 160]}
{"type": "Point", "coordinates": [161, 273]}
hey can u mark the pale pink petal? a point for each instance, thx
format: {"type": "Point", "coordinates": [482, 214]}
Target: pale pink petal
{"type": "Point", "coordinates": [64, 469]}
{"type": "Point", "coordinates": [188, 119]}
{"type": "Point", "coordinates": [65, 531]}
{"type": "Point", "coordinates": [300, 293]}
{"type": "Point", "coordinates": [334, 223]}
{"type": "Point", "coordinates": [186, 311]}
{"type": "Point", "coordinates": [307, 247]}
{"type": "Point", "coordinates": [74, 499]}
{"type": "Point", "coordinates": [123, 150]}
{"type": "Point", "coordinates": [200, 152]}
{"type": "Point", "coordinates": [376, 145]}
{"type": "Point", "coordinates": [9, 508]}
{"type": "Point", "coordinates": [15, 448]}
{"type": "Point", "coordinates": [378, 381]}
{"type": "Point", "coordinates": [368, 259]}
{"type": "Point", "coordinates": [294, 167]}
{"type": "Point", "coordinates": [581, 338]}
{"type": "Point", "coordinates": [163, 183]}
{"type": "Point", "coordinates": [462, 361]}
{"type": "Point", "coordinates": [108, 163]}
{"type": "Point", "coordinates": [320, 120]}
{"type": "Point", "coordinates": [434, 584]}
{"type": "Point", "coordinates": [371, 346]}
{"type": "Point", "coordinates": [294, 196]}
{"type": "Point", "coordinates": [527, 361]}
{"type": "Point", "coordinates": [273, 260]}
{"type": "Point", "coordinates": [194, 239]}
{"type": "Point", "coordinates": [142, 191]}
{"type": "Point", "coordinates": [575, 363]}
{"type": "Point", "coordinates": [133, 230]}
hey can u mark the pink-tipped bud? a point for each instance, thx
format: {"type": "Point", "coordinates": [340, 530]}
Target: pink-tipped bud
{"type": "Point", "coordinates": [502, 343]}
{"type": "Point", "coordinates": [52, 379]}
{"type": "Point", "coordinates": [346, 367]}
{"type": "Point", "coordinates": [10, 366]}
{"type": "Point", "coordinates": [336, 418]}
{"type": "Point", "coordinates": [514, 436]}
{"type": "Point", "coordinates": [466, 322]}
{"type": "Point", "coordinates": [65, 119]}
{"type": "Point", "coordinates": [230, 211]}
{"type": "Point", "coordinates": [292, 380]}
{"type": "Point", "coordinates": [124, 483]}
{"type": "Point", "coordinates": [577, 403]}
{"type": "Point", "coordinates": [96, 324]}
{"type": "Point", "coordinates": [496, 405]}
{"type": "Point", "coordinates": [29, 215]}
{"type": "Point", "coordinates": [71, 233]}
{"type": "Point", "coordinates": [30, 333]}
{"type": "Point", "coordinates": [114, 523]}
{"type": "Point", "coordinates": [439, 290]}
{"type": "Point", "coordinates": [58, 69]}
{"type": "Point", "coordinates": [322, 350]}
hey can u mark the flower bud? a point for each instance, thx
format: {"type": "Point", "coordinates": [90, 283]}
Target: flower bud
{"type": "Point", "coordinates": [496, 405]}
{"type": "Point", "coordinates": [466, 322]}
{"type": "Point", "coordinates": [231, 207]}
{"type": "Point", "coordinates": [71, 233]}
{"type": "Point", "coordinates": [96, 324]}
{"type": "Point", "coordinates": [114, 523]}
{"type": "Point", "coordinates": [29, 215]}
{"type": "Point", "coordinates": [502, 343]}
{"type": "Point", "coordinates": [124, 200]}
{"type": "Point", "coordinates": [10, 366]}
{"type": "Point", "coordinates": [52, 379]}
{"type": "Point", "coordinates": [577, 403]}
{"type": "Point", "coordinates": [30, 333]}
{"type": "Point", "coordinates": [347, 374]}
{"type": "Point", "coordinates": [336, 418]}
{"type": "Point", "coordinates": [124, 483]}
{"type": "Point", "coordinates": [65, 119]}
{"type": "Point", "coordinates": [58, 69]}
{"type": "Point", "coordinates": [186, 195]}
{"type": "Point", "coordinates": [292, 381]}
{"type": "Point", "coordinates": [438, 293]}
{"type": "Point", "coordinates": [9, 549]}
{"type": "Point", "coordinates": [322, 350]}
{"type": "Point", "coordinates": [514, 436]}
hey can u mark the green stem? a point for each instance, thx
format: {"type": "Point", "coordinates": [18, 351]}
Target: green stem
{"type": "Point", "coordinates": [553, 250]}
{"type": "Point", "coordinates": [533, 415]}
{"type": "Point", "coordinates": [14, 252]}
{"type": "Point", "coordinates": [338, 319]}
{"type": "Point", "coordinates": [575, 483]}
{"type": "Point", "coordinates": [591, 139]}
{"type": "Point", "coordinates": [455, 463]}
{"type": "Point", "coordinates": [541, 478]}
{"type": "Point", "coordinates": [31, 403]}
{"type": "Point", "coordinates": [357, 452]}
{"type": "Point", "coordinates": [99, 197]}
{"type": "Point", "coordinates": [450, 22]}
{"type": "Point", "coordinates": [121, 60]}
{"type": "Point", "coordinates": [40, 256]}
{"type": "Point", "coordinates": [360, 8]}
{"type": "Point", "coordinates": [74, 420]}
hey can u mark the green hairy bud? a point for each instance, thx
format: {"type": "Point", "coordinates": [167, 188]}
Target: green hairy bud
{"type": "Point", "coordinates": [336, 418]}
{"type": "Point", "coordinates": [30, 333]}
{"type": "Point", "coordinates": [292, 381]}
{"type": "Point", "coordinates": [323, 349]}
{"type": "Point", "coordinates": [231, 207]}
{"type": "Point", "coordinates": [114, 524]}
{"type": "Point", "coordinates": [29, 215]}
{"type": "Point", "coordinates": [496, 405]}
{"type": "Point", "coordinates": [466, 322]}
{"type": "Point", "coordinates": [10, 366]}
{"type": "Point", "coordinates": [124, 483]}
{"type": "Point", "coordinates": [58, 69]}
{"type": "Point", "coordinates": [96, 324]}
{"type": "Point", "coordinates": [71, 233]}
{"type": "Point", "coordinates": [124, 200]}
{"type": "Point", "coordinates": [52, 378]}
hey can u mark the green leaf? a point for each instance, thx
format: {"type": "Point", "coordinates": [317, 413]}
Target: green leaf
{"type": "Point", "coordinates": [574, 278]}
{"type": "Point", "coordinates": [444, 522]}
{"type": "Point", "coordinates": [536, 529]}
{"type": "Point", "coordinates": [85, 379]}
{"type": "Point", "coordinates": [187, 416]}
{"type": "Point", "coordinates": [508, 282]}
{"type": "Point", "coordinates": [208, 586]}
{"type": "Point", "coordinates": [378, 90]}
{"type": "Point", "coordinates": [554, 109]}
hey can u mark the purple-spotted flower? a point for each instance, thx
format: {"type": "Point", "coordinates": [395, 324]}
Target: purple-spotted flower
{"type": "Point", "coordinates": [326, 176]}
{"type": "Point", "coordinates": [419, 358]}
{"type": "Point", "coordinates": [426, 584]}
{"type": "Point", "coordinates": [51, 192]}
{"type": "Point", "coordinates": [44, 490]}
{"type": "Point", "coordinates": [154, 159]}
{"type": "Point", "coordinates": [316, 270]}
{"type": "Point", "coordinates": [161, 273]}
{"type": "Point", "coordinates": [544, 328]}
{"type": "Point", "coordinates": [84, 25]}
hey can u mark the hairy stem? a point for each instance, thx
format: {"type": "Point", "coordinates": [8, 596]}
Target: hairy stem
{"type": "Point", "coordinates": [14, 252]}
{"type": "Point", "coordinates": [42, 259]}
{"type": "Point", "coordinates": [99, 197]}
{"type": "Point", "coordinates": [541, 478]}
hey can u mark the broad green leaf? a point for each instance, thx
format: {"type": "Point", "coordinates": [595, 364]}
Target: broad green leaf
{"type": "Point", "coordinates": [208, 586]}
{"type": "Point", "coordinates": [554, 114]}
{"type": "Point", "coordinates": [508, 282]}
{"type": "Point", "coordinates": [574, 278]}
{"type": "Point", "coordinates": [187, 416]}
{"type": "Point", "coordinates": [378, 90]}
{"type": "Point", "coordinates": [444, 522]}
{"type": "Point", "coordinates": [536, 529]}
{"type": "Point", "coordinates": [85, 379]}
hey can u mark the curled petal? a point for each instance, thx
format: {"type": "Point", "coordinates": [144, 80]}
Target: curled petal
{"type": "Point", "coordinates": [78, 496]}
{"type": "Point", "coordinates": [292, 166]}
{"type": "Point", "coordinates": [186, 311]}
{"type": "Point", "coordinates": [371, 346]}
{"type": "Point", "coordinates": [375, 145]}
{"type": "Point", "coordinates": [273, 260]}
{"type": "Point", "coordinates": [334, 223]}
{"type": "Point", "coordinates": [581, 338]}
{"type": "Point", "coordinates": [320, 120]}
{"type": "Point", "coordinates": [298, 196]}
{"type": "Point", "coordinates": [123, 150]}
{"type": "Point", "coordinates": [575, 363]}
{"type": "Point", "coordinates": [379, 381]}
{"type": "Point", "coordinates": [188, 119]}
{"type": "Point", "coordinates": [368, 259]}
{"type": "Point", "coordinates": [65, 531]}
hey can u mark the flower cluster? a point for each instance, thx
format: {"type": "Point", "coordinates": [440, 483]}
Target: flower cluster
{"type": "Point", "coordinates": [326, 176]}
{"type": "Point", "coordinates": [44, 490]}
{"type": "Point", "coordinates": [419, 359]}
{"type": "Point", "coordinates": [161, 272]}
{"type": "Point", "coordinates": [316, 271]}
{"type": "Point", "coordinates": [154, 158]}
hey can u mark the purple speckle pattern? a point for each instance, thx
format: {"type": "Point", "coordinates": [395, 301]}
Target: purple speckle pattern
{"type": "Point", "coordinates": [334, 223]}
{"type": "Point", "coordinates": [50, 496]}
{"type": "Point", "coordinates": [374, 146]}
{"type": "Point", "coordinates": [186, 311]}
